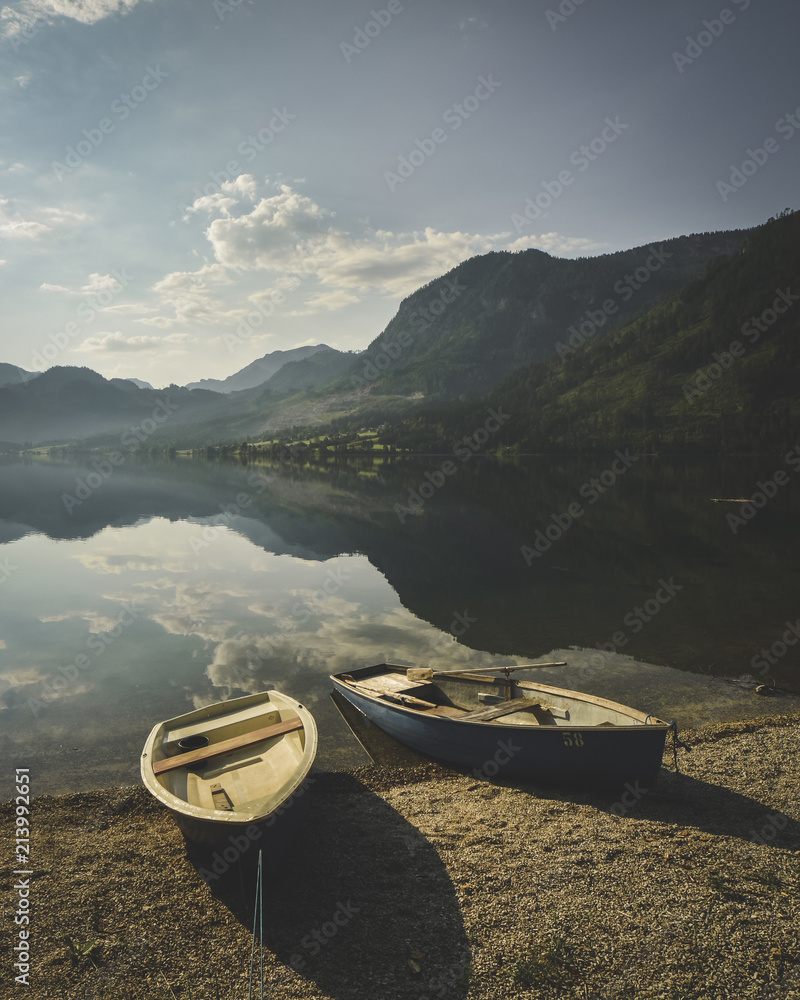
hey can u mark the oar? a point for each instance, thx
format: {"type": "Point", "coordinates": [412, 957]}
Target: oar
{"type": "Point", "coordinates": [425, 673]}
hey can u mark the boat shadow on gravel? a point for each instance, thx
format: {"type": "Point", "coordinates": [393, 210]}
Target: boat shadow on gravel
{"type": "Point", "coordinates": [682, 800]}
{"type": "Point", "coordinates": [361, 905]}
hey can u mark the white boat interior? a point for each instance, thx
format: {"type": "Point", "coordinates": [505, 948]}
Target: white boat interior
{"type": "Point", "coordinates": [259, 750]}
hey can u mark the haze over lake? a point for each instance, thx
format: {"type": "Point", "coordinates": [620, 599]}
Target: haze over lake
{"type": "Point", "coordinates": [176, 584]}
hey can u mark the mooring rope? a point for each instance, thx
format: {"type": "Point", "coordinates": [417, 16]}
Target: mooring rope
{"type": "Point", "coordinates": [677, 742]}
{"type": "Point", "coordinates": [258, 916]}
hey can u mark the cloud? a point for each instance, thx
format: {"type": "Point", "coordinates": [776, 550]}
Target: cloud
{"type": "Point", "coordinates": [24, 14]}
{"type": "Point", "coordinates": [114, 343]}
{"type": "Point", "coordinates": [556, 244]}
{"type": "Point", "coordinates": [23, 80]}
{"type": "Point", "coordinates": [189, 294]}
{"type": "Point", "coordinates": [96, 283]}
{"type": "Point", "coordinates": [225, 198]}
{"type": "Point", "coordinates": [14, 226]}
{"type": "Point", "coordinates": [296, 240]}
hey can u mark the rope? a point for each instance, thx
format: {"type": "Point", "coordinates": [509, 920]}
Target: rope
{"type": "Point", "coordinates": [676, 742]}
{"type": "Point", "coordinates": [258, 916]}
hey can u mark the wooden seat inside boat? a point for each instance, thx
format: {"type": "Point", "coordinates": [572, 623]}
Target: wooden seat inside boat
{"type": "Point", "coordinates": [504, 708]}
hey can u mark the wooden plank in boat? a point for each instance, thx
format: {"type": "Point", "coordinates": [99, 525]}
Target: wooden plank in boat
{"type": "Point", "coordinates": [495, 711]}
{"type": "Point", "coordinates": [256, 736]}
{"type": "Point", "coordinates": [384, 683]}
{"type": "Point", "coordinates": [409, 700]}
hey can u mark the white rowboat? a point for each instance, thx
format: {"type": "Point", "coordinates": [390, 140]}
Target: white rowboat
{"type": "Point", "coordinates": [226, 767]}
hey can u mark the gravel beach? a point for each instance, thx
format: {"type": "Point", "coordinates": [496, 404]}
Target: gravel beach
{"type": "Point", "coordinates": [422, 883]}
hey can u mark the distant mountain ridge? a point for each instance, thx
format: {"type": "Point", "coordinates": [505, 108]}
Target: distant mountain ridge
{"type": "Point", "coordinates": [455, 339]}
{"type": "Point", "coordinates": [71, 404]}
{"type": "Point", "coordinates": [259, 371]}
{"type": "Point", "coordinates": [713, 368]}
{"type": "Point", "coordinates": [464, 332]}
{"type": "Point", "coordinates": [12, 375]}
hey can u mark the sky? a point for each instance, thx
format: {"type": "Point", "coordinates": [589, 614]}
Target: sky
{"type": "Point", "coordinates": [187, 185]}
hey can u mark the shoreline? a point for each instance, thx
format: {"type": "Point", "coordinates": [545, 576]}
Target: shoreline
{"type": "Point", "coordinates": [424, 882]}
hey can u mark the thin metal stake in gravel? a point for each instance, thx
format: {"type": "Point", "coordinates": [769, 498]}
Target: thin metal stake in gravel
{"type": "Point", "coordinates": [258, 915]}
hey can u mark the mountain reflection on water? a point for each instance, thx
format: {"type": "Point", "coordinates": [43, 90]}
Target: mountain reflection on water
{"type": "Point", "coordinates": [184, 582]}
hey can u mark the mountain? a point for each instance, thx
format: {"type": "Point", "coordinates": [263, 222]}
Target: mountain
{"type": "Point", "coordinates": [470, 329]}
{"type": "Point", "coordinates": [258, 371]}
{"type": "Point", "coordinates": [714, 367]}
{"type": "Point", "coordinates": [65, 404]}
{"type": "Point", "coordinates": [310, 373]}
{"type": "Point", "coordinates": [139, 383]}
{"type": "Point", "coordinates": [11, 375]}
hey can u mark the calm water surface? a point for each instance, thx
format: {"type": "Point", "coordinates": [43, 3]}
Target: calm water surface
{"type": "Point", "coordinates": [174, 585]}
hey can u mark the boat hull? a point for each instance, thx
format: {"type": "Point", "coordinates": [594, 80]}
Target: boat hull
{"type": "Point", "coordinates": [593, 756]}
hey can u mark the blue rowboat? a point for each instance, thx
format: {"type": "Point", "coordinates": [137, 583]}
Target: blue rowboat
{"type": "Point", "coordinates": [501, 726]}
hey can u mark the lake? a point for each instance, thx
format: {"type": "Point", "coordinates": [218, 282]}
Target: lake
{"type": "Point", "coordinates": [132, 593]}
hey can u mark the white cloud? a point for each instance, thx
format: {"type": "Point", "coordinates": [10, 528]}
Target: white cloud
{"type": "Point", "coordinates": [289, 235]}
{"type": "Point", "coordinates": [14, 225]}
{"type": "Point", "coordinates": [96, 283]}
{"type": "Point", "coordinates": [188, 293]}
{"type": "Point", "coordinates": [113, 343]}
{"type": "Point", "coordinates": [225, 198]}
{"type": "Point", "coordinates": [26, 13]}
{"type": "Point", "coordinates": [23, 80]}
{"type": "Point", "coordinates": [554, 243]}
